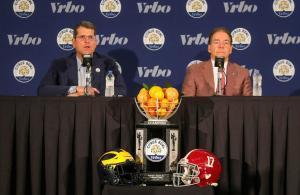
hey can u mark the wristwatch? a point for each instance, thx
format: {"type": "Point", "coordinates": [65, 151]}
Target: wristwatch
{"type": "Point", "coordinates": [72, 89]}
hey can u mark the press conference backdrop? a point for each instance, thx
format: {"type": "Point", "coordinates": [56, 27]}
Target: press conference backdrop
{"type": "Point", "coordinates": [153, 40]}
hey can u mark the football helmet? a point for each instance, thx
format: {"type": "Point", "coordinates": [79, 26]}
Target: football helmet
{"type": "Point", "coordinates": [199, 167]}
{"type": "Point", "coordinates": [119, 167]}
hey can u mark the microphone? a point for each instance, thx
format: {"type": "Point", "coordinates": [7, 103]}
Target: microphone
{"type": "Point", "coordinates": [87, 60]}
{"type": "Point", "coordinates": [219, 62]}
{"type": "Point", "coordinates": [109, 64]}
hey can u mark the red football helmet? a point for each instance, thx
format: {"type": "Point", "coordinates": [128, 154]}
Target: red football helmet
{"type": "Point", "coordinates": [199, 167]}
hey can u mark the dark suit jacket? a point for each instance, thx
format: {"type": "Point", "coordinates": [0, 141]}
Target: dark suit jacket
{"type": "Point", "coordinates": [199, 80]}
{"type": "Point", "coordinates": [63, 73]}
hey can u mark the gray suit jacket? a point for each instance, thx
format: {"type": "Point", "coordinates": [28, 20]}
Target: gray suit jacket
{"type": "Point", "coordinates": [199, 80]}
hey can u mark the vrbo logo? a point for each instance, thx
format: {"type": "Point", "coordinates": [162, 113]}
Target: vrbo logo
{"type": "Point", "coordinates": [242, 7]}
{"type": "Point", "coordinates": [285, 39]}
{"type": "Point", "coordinates": [112, 39]}
{"type": "Point", "coordinates": [155, 72]}
{"type": "Point", "coordinates": [193, 40]}
{"type": "Point", "coordinates": [66, 8]}
{"type": "Point", "coordinates": [23, 40]}
{"type": "Point", "coordinates": [153, 8]}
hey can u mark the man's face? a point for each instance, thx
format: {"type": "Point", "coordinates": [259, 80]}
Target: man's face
{"type": "Point", "coordinates": [220, 45]}
{"type": "Point", "coordinates": [85, 41]}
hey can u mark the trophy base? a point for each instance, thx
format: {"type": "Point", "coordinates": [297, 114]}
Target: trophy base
{"type": "Point", "coordinates": [157, 178]}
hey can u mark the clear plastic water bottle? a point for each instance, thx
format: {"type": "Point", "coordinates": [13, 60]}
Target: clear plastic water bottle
{"type": "Point", "coordinates": [257, 83]}
{"type": "Point", "coordinates": [110, 84]}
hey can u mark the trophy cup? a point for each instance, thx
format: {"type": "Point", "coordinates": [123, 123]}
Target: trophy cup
{"type": "Point", "coordinates": [157, 140]}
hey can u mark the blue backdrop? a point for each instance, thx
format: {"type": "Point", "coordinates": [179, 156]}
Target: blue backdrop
{"type": "Point", "coordinates": [153, 40]}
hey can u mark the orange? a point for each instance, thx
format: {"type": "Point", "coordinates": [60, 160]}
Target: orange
{"type": "Point", "coordinates": [171, 106]}
{"type": "Point", "coordinates": [151, 103]}
{"type": "Point", "coordinates": [162, 111]}
{"type": "Point", "coordinates": [152, 111]}
{"type": "Point", "coordinates": [153, 89]}
{"type": "Point", "coordinates": [175, 102]}
{"type": "Point", "coordinates": [143, 106]}
{"type": "Point", "coordinates": [159, 94]}
{"type": "Point", "coordinates": [164, 103]}
{"type": "Point", "coordinates": [143, 90]}
{"type": "Point", "coordinates": [171, 94]}
{"type": "Point", "coordinates": [143, 96]}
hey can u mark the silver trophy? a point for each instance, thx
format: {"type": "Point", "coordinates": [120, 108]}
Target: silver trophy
{"type": "Point", "coordinates": [157, 141]}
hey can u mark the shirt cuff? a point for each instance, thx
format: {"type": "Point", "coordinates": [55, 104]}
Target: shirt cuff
{"type": "Point", "coordinates": [72, 89]}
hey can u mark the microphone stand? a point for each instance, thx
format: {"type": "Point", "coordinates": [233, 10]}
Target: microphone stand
{"type": "Point", "coordinates": [220, 90]}
{"type": "Point", "coordinates": [88, 80]}
{"type": "Point", "coordinates": [219, 62]}
{"type": "Point", "coordinates": [87, 61]}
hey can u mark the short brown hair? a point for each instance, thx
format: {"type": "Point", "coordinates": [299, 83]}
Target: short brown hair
{"type": "Point", "coordinates": [219, 29]}
{"type": "Point", "coordinates": [85, 24]}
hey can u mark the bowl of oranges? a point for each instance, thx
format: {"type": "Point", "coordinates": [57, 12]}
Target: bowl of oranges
{"type": "Point", "coordinates": [157, 103]}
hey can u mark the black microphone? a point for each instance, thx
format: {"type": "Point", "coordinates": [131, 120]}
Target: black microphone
{"type": "Point", "coordinates": [109, 64]}
{"type": "Point", "coordinates": [87, 60]}
{"type": "Point", "coordinates": [219, 62]}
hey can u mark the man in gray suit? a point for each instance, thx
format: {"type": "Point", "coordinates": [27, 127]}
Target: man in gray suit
{"type": "Point", "coordinates": [201, 78]}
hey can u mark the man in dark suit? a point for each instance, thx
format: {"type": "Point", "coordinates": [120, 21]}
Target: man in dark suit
{"type": "Point", "coordinates": [67, 76]}
{"type": "Point", "coordinates": [201, 79]}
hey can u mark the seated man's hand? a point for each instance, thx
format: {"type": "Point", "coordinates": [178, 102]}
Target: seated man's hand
{"type": "Point", "coordinates": [82, 91]}
{"type": "Point", "coordinates": [92, 91]}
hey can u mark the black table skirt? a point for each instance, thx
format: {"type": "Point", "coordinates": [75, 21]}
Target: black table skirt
{"type": "Point", "coordinates": [50, 145]}
{"type": "Point", "coordinates": [156, 190]}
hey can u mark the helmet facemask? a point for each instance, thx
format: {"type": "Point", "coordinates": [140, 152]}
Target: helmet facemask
{"type": "Point", "coordinates": [199, 167]}
{"type": "Point", "coordinates": [186, 174]}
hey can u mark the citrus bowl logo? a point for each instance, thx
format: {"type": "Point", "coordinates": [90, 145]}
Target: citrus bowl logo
{"type": "Point", "coordinates": [110, 8]}
{"type": "Point", "coordinates": [283, 8]}
{"type": "Point", "coordinates": [241, 38]}
{"type": "Point", "coordinates": [154, 39]}
{"type": "Point", "coordinates": [65, 38]}
{"type": "Point", "coordinates": [24, 71]}
{"type": "Point", "coordinates": [283, 70]}
{"type": "Point", "coordinates": [196, 8]}
{"type": "Point", "coordinates": [156, 150]}
{"type": "Point", "coordinates": [23, 8]}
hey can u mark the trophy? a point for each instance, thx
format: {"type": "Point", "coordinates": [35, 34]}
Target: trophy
{"type": "Point", "coordinates": [157, 140]}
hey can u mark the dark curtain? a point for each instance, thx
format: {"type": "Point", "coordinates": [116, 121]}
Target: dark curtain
{"type": "Point", "coordinates": [50, 145]}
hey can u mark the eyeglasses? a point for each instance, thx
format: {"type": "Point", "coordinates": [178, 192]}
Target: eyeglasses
{"type": "Point", "coordinates": [86, 37]}
{"type": "Point", "coordinates": [218, 42]}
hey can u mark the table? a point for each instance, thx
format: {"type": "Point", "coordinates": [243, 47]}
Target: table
{"type": "Point", "coordinates": [50, 145]}
{"type": "Point", "coordinates": [157, 190]}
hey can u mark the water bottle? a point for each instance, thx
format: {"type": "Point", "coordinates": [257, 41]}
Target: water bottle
{"type": "Point", "coordinates": [257, 83]}
{"type": "Point", "coordinates": [110, 84]}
